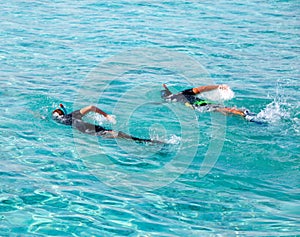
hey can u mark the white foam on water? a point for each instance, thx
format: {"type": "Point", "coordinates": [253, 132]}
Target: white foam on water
{"type": "Point", "coordinates": [100, 119]}
{"type": "Point", "coordinates": [219, 94]}
{"type": "Point", "coordinates": [174, 140]}
{"type": "Point", "coordinates": [274, 112]}
{"type": "Point", "coordinates": [296, 125]}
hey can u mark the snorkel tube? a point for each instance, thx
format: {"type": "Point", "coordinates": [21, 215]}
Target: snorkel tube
{"type": "Point", "coordinates": [63, 108]}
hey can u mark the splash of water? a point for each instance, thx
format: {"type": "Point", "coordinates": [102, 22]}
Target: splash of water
{"type": "Point", "coordinates": [274, 111]}
{"type": "Point", "coordinates": [99, 119]}
{"type": "Point", "coordinates": [220, 94]}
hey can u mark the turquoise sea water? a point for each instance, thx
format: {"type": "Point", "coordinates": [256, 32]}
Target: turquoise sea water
{"type": "Point", "coordinates": [116, 54]}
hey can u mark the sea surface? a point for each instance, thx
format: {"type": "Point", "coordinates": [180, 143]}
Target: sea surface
{"type": "Point", "coordinates": [214, 176]}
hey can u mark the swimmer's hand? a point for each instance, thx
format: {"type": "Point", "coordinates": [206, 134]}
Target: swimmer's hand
{"type": "Point", "coordinates": [223, 87]}
{"type": "Point", "coordinates": [111, 118]}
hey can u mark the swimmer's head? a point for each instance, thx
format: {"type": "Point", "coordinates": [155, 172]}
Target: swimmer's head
{"type": "Point", "coordinates": [57, 113]}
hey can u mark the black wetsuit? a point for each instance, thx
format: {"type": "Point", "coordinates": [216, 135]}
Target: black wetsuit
{"type": "Point", "coordinates": [74, 119]}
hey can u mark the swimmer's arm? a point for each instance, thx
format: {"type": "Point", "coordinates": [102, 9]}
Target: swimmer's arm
{"type": "Point", "coordinates": [201, 89]}
{"type": "Point", "coordinates": [167, 89]}
{"type": "Point", "coordinates": [92, 108]}
{"type": "Point", "coordinates": [167, 92]}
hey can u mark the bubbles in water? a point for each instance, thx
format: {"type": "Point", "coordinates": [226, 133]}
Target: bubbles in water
{"type": "Point", "coordinates": [174, 140]}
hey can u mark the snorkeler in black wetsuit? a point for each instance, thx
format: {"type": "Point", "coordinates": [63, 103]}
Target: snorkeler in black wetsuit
{"type": "Point", "coordinates": [189, 98]}
{"type": "Point", "coordinates": [75, 119]}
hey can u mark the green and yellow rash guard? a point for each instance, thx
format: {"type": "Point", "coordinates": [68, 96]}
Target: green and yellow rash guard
{"type": "Point", "coordinates": [187, 97]}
